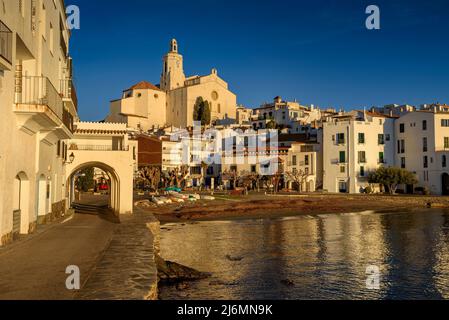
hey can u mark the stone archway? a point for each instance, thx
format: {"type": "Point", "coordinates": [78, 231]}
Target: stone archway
{"type": "Point", "coordinates": [114, 188]}
{"type": "Point", "coordinates": [445, 184]}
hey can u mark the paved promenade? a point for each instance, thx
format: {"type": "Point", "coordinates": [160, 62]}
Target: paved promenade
{"type": "Point", "coordinates": [116, 260]}
{"type": "Point", "coordinates": [34, 268]}
{"type": "Point", "coordinates": [127, 269]}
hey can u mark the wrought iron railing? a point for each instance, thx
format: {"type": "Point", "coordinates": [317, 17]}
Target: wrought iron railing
{"type": "Point", "coordinates": [5, 42]}
{"type": "Point", "coordinates": [68, 91]}
{"type": "Point", "coordinates": [98, 147]}
{"type": "Point", "coordinates": [36, 90]}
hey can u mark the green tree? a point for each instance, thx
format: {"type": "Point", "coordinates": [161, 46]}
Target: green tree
{"type": "Point", "coordinates": [206, 114]}
{"type": "Point", "coordinates": [272, 125]}
{"type": "Point", "coordinates": [86, 179]}
{"type": "Point", "coordinates": [202, 111]}
{"type": "Point", "coordinates": [392, 177]}
{"type": "Point", "coordinates": [197, 109]}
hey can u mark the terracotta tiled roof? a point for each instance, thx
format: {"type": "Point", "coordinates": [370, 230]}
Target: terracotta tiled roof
{"type": "Point", "coordinates": [142, 86]}
{"type": "Point", "coordinates": [379, 115]}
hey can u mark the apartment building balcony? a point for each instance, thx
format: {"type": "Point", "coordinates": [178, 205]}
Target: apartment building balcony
{"type": "Point", "coordinates": [5, 47]}
{"type": "Point", "coordinates": [40, 108]}
{"type": "Point", "coordinates": [68, 94]}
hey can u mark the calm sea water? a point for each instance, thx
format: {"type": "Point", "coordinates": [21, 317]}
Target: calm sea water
{"type": "Point", "coordinates": [314, 257]}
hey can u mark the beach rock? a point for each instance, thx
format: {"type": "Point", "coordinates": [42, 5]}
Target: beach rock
{"type": "Point", "coordinates": [223, 283]}
{"type": "Point", "coordinates": [174, 272]}
{"type": "Point", "coordinates": [142, 203]}
{"type": "Point", "coordinates": [231, 258]}
{"type": "Point", "coordinates": [287, 283]}
{"type": "Point", "coordinates": [436, 205]}
{"type": "Point", "coordinates": [182, 286]}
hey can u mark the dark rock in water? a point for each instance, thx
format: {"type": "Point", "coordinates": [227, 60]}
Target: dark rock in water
{"type": "Point", "coordinates": [182, 286]}
{"type": "Point", "coordinates": [287, 283]}
{"type": "Point", "coordinates": [168, 271]}
{"type": "Point", "coordinates": [223, 283]}
{"type": "Point", "coordinates": [231, 258]}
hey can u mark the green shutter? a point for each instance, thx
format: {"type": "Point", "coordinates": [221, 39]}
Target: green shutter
{"type": "Point", "coordinates": [342, 157]}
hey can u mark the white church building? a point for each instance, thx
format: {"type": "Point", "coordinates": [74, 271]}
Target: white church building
{"type": "Point", "coordinates": [145, 106]}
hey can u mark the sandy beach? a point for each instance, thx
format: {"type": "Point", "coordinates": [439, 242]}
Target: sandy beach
{"type": "Point", "coordinates": [268, 206]}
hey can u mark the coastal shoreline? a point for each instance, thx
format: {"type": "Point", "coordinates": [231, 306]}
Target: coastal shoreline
{"type": "Point", "coordinates": [257, 206]}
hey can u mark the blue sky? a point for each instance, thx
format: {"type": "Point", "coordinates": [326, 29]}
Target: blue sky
{"type": "Point", "coordinates": [318, 52]}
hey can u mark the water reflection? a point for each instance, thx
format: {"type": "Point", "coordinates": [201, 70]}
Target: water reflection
{"type": "Point", "coordinates": [314, 257]}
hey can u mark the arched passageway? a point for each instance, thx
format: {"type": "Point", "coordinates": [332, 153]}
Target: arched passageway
{"type": "Point", "coordinates": [104, 146]}
{"type": "Point", "coordinates": [110, 179]}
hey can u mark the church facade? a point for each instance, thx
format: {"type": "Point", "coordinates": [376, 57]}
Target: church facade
{"type": "Point", "coordinates": [171, 103]}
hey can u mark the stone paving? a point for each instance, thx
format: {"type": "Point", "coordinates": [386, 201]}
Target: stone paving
{"type": "Point", "coordinates": [127, 270]}
{"type": "Point", "coordinates": [116, 261]}
{"type": "Point", "coordinates": [34, 269]}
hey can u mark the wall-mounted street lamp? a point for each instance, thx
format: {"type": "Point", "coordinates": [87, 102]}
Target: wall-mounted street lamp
{"type": "Point", "coordinates": [71, 159]}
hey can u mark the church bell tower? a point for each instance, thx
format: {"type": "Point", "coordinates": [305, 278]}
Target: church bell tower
{"type": "Point", "coordinates": [172, 69]}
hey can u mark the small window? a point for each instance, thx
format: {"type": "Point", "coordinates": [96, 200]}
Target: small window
{"type": "Point", "coordinates": [306, 160]}
{"type": "Point", "coordinates": [403, 163]}
{"type": "Point", "coordinates": [444, 161]}
{"type": "Point", "coordinates": [426, 162]}
{"type": "Point", "coordinates": [342, 169]}
{"type": "Point", "coordinates": [424, 144]}
{"type": "Point", "coordinates": [446, 142]}
{"type": "Point", "coordinates": [424, 125]}
{"type": "Point", "coordinates": [401, 128]}
{"type": "Point", "coordinates": [342, 157]}
{"type": "Point", "coordinates": [340, 138]}
{"type": "Point", "coordinates": [380, 139]}
{"type": "Point", "coordinates": [361, 138]}
{"type": "Point", "coordinates": [362, 171]}
{"type": "Point", "coordinates": [381, 158]}
{"type": "Point", "coordinates": [362, 157]}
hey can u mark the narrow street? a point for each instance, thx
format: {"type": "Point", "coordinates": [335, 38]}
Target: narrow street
{"type": "Point", "coordinates": [35, 268]}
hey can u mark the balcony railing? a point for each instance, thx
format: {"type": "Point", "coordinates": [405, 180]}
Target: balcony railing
{"type": "Point", "coordinates": [63, 45]}
{"type": "Point", "coordinates": [68, 91]}
{"type": "Point", "coordinates": [67, 119]}
{"type": "Point", "coordinates": [39, 91]}
{"type": "Point", "coordinates": [5, 43]}
{"type": "Point", "coordinates": [98, 147]}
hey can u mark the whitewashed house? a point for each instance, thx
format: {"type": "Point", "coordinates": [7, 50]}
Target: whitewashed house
{"type": "Point", "coordinates": [354, 144]}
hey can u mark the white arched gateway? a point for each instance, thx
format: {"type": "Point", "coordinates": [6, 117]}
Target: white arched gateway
{"type": "Point", "coordinates": [104, 146]}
